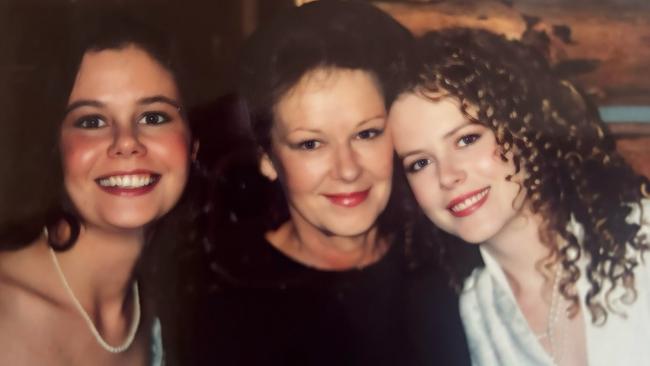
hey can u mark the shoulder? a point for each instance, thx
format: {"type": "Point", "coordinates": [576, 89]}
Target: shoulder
{"type": "Point", "coordinates": [486, 296]}
{"type": "Point", "coordinates": [156, 352]}
{"type": "Point", "coordinates": [640, 214]}
{"type": "Point", "coordinates": [470, 297]}
{"type": "Point", "coordinates": [27, 273]}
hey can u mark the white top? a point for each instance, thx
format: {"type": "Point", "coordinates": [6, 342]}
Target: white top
{"type": "Point", "coordinates": [498, 333]}
{"type": "Point", "coordinates": [156, 347]}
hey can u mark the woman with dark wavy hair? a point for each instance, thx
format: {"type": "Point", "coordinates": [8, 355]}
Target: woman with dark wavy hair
{"type": "Point", "coordinates": [314, 271]}
{"type": "Point", "coordinates": [499, 152]}
{"type": "Point", "coordinates": [115, 143]}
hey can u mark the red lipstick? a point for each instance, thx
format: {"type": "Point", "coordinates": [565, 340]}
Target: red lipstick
{"type": "Point", "coordinates": [348, 199]}
{"type": "Point", "coordinates": [466, 204]}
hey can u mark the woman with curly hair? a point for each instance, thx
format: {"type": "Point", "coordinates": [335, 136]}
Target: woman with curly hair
{"type": "Point", "coordinates": [501, 153]}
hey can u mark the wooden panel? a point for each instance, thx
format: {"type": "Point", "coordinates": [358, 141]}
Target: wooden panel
{"type": "Point", "coordinates": [633, 142]}
{"type": "Point", "coordinates": [636, 152]}
{"type": "Point", "coordinates": [612, 39]}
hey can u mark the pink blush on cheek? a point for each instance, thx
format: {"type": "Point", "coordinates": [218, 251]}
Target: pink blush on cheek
{"type": "Point", "coordinates": [77, 152]}
{"type": "Point", "coordinates": [175, 147]}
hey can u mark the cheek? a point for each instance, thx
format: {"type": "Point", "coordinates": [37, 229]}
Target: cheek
{"type": "Point", "coordinates": [492, 166]}
{"type": "Point", "coordinates": [423, 191]}
{"type": "Point", "coordinates": [380, 160]}
{"type": "Point", "coordinates": [78, 153]}
{"type": "Point", "coordinates": [172, 150]}
{"type": "Point", "coordinates": [301, 171]}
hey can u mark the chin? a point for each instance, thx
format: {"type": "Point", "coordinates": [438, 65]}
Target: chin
{"type": "Point", "coordinates": [343, 230]}
{"type": "Point", "coordinates": [472, 239]}
{"type": "Point", "coordinates": [131, 222]}
{"type": "Point", "coordinates": [476, 234]}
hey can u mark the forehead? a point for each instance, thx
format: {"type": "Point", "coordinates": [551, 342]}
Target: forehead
{"type": "Point", "coordinates": [329, 95]}
{"type": "Point", "coordinates": [129, 71]}
{"type": "Point", "coordinates": [416, 120]}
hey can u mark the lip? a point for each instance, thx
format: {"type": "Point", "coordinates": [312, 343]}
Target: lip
{"type": "Point", "coordinates": [351, 199]}
{"type": "Point", "coordinates": [471, 208]}
{"type": "Point", "coordinates": [129, 191]}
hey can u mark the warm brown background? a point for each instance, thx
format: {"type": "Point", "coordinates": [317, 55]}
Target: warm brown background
{"type": "Point", "coordinates": [603, 45]}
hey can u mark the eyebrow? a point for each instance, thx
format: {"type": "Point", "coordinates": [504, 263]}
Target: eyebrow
{"type": "Point", "coordinates": [160, 99]}
{"type": "Point", "coordinates": [142, 101]}
{"type": "Point", "coordinates": [456, 129]}
{"type": "Point", "coordinates": [361, 123]}
{"type": "Point", "coordinates": [379, 116]}
{"type": "Point", "coordinates": [446, 135]}
{"type": "Point", "coordinates": [414, 152]}
{"type": "Point", "coordinates": [82, 103]}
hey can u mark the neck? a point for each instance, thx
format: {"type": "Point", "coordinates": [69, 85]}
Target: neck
{"type": "Point", "coordinates": [99, 267]}
{"type": "Point", "coordinates": [519, 251]}
{"type": "Point", "coordinates": [315, 248]}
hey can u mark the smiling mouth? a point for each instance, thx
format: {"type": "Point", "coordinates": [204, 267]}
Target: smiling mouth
{"type": "Point", "coordinates": [128, 184]}
{"type": "Point", "coordinates": [348, 199]}
{"type": "Point", "coordinates": [467, 204]}
{"type": "Point", "coordinates": [128, 181]}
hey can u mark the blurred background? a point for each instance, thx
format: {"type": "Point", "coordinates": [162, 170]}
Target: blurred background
{"type": "Point", "coordinates": [602, 45]}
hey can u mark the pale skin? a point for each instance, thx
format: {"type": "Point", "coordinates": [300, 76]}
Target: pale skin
{"type": "Point", "coordinates": [447, 159]}
{"type": "Point", "coordinates": [328, 139]}
{"type": "Point", "coordinates": [122, 116]}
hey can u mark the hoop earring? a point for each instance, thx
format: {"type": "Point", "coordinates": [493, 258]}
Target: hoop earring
{"type": "Point", "coordinates": [74, 226]}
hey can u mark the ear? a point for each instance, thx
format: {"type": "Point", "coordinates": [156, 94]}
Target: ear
{"type": "Point", "coordinates": [267, 168]}
{"type": "Point", "coordinates": [195, 149]}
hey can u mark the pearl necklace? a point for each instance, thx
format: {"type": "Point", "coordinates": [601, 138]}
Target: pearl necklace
{"type": "Point", "coordinates": [557, 348]}
{"type": "Point", "coordinates": [134, 324]}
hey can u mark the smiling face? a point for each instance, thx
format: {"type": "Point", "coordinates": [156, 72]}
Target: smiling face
{"type": "Point", "coordinates": [124, 142]}
{"type": "Point", "coordinates": [331, 153]}
{"type": "Point", "coordinates": [454, 168]}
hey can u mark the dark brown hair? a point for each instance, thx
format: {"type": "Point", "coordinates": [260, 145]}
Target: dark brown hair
{"type": "Point", "coordinates": [44, 70]}
{"type": "Point", "coordinates": [323, 34]}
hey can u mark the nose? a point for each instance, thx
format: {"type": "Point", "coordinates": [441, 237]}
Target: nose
{"type": "Point", "coordinates": [346, 164]}
{"type": "Point", "coordinates": [126, 143]}
{"type": "Point", "coordinates": [450, 174]}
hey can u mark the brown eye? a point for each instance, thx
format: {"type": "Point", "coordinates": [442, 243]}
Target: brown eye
{"type": "Point", "coordinates": [154, 118]}
{"type": "Point", "coordinates": [90, 122]}
{"type": "Point", "coordinates": [309, 145]}
{"type": "Point", "coordinates": [369, 133]}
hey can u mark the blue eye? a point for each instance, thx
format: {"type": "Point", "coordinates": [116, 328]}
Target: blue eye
{"type": "Point", "coordinates": [90, 122]}
{"type": "Point", "coordinates": [369, 133]}
{"type": "Point", "coordinates": [468, 139]}
{"type": "Point", "coordinates": [154, 118]}
{"type": "Point", "coordinates": [417, 165]}
{"type": "Point", "coordinates": [309, 145]}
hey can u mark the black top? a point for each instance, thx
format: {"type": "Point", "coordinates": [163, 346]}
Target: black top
{"type": "Point", "coordinates": [271, 310]}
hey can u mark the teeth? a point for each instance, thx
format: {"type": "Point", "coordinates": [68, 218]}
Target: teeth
{"type": "Point", "coordinates": [127, 181]}
{"type": "Point", "coordinates": [469, 201]}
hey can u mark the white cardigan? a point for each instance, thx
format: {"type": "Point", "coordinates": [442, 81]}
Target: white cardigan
{"type": "Point", "coordinates": [498, 333]}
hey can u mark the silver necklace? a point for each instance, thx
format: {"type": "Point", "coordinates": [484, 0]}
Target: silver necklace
{"type": "Point", "coordinates": [134, 324]}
